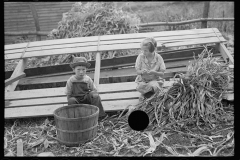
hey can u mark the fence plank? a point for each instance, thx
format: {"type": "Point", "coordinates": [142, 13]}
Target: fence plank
{"type": "Point", "coordinates": [35, 17]}
{"type": "Point", "coordinates": [205, 13]}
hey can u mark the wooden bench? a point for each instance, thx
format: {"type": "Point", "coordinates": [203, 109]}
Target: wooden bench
{"type": "Point", "coordinates": [115, 96]}
{"type": "Point", "coordinates": [120, 69]}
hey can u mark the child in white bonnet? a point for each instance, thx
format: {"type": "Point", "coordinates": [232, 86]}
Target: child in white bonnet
{"type": "Point", "coordinates": [150, 69]}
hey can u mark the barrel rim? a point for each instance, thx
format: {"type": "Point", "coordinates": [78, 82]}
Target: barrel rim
{"type": "Point", "coordinates": [71, 106]}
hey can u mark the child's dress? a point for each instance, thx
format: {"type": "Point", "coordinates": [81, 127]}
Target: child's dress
{"type": "Point", "coordinates": [148, 83]}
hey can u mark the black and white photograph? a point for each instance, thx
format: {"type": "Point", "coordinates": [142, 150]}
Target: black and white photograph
{"type": "Point", "coordinates": [119, 79]}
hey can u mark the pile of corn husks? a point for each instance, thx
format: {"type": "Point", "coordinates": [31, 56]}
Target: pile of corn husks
{"type": "Point", "coordinates": [196, 97]}
{"type": "Point", "coordinates": [94, 19]}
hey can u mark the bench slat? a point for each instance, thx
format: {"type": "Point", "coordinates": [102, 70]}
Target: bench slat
{"type": "Point", "coordinates": [162, 38]}
{"type": "Point", "coordinates": [109, 48]}
{"type": "Point", "coordinates": [108, 37]}
{"type": "Point", "coordinates": [56, 92]}
{"type": "Point", "coordinates": [39, 111]}
{"type": "Point", "coordinates": [171, 67]}
{"type": "Point", "coordinates": [49, 92]}
{"type": "Point", "coordinates": [63, 100]}
{"type": "Point", "coordinates": [52, 42]}
{"type": "Point", "coordinates": [51, 52]}
{"type": "Point", "coordinates": [154, 34]}
{"type": "Point", "coordinates": [131, 41]}
{"type": "Point", "coordinates": [57, 46]}
{"type": "Point", "coordinates": [123, 41]}
{"type": "Point", "coordinates": [178, 43]}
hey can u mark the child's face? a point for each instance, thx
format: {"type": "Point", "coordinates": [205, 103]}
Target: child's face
{"type": "Point", "coordinates": [80, 71]}
{"type": "Point", "coordinates": [145, 50]}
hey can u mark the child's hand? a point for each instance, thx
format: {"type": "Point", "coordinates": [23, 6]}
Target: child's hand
{"type": "Point", "coordinates": [144, 71]}
{"type": "Point", "coordinates": [151, 72]}
{"type": "Point", "coordinates": [95, 94]}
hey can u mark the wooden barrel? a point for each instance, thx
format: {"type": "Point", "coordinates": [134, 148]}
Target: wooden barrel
{"type": "Point", "coordinates": [76, 123]}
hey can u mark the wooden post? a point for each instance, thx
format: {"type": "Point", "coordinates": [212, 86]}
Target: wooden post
{"type": "Point", "coordinates": [225, 53]}
{"type": "Point", "coordinates": [205, 13]}
{"type": "Point", "coordinates": [19, 148]}
{"type": "Point", "coordinates": [97, 65]}
{"type": "Point", "coordinates": [97, 69]}
{"type": "Point", "coordinates": [35, 17]}
{"type": "Point", "coordinates": [14, 79]}
{"type": "Point", "coordinates": [18, 70]}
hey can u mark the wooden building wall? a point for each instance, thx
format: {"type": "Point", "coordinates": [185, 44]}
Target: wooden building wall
{"type": "Point", "coordinates": [18, 16]}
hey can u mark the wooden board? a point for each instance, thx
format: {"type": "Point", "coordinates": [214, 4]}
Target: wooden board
{"type": "Point", "coordinates": [43, 53]}
{"type": "Point", "coordinates": [113, 62]}
{"type": "Point", "coordinates": [63, 100]}
{"type": "Point", "coordinates": [123, 41]}
{"type": "Point", "coordinates": [56, 92]}
{"type": "Point", "coordinates": [14, 79]}
{"type": "Point", "coordinates": [170, 40]}
{"type": "Point", "coordinates": [225, 53]}
{"type": "Point", "coordinates": [172, 68]}
{"type": "Point", "coordinates": [104, 74]}
{"type": "Point", "coordinates": [18, 70]}
{"type": "Point", "coordinates": [111, 37]}
{"type": "Point", "coordinates": [40, 111]}
{"type": "Point", "coordinates": [229, 96]}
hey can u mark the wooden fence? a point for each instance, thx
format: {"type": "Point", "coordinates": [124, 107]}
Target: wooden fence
{"type": "Point", "coordinates": [18, 16]}
{"type": "Point", "coordinates": [39, 18]}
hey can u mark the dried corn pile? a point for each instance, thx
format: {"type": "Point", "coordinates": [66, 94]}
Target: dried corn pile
{"type": "Point", "coordinates": [94, 19]}
{"type": "Point", "coordinates": [195, 98]}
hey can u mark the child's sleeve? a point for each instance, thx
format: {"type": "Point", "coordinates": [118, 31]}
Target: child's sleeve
{"type": "Point", "coordinates": [92, 85]}
{"type": "Point", "coordinates": [162, 64]}
{"type": "Point", "coordinates": [138, 63]}
{"type": "Point", "coordinates": [68, 88]}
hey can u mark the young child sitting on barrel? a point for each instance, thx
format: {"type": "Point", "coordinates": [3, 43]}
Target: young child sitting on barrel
{"type": "Point", "coordinates": [80, 88]}
{"type": "Point", "coordinates": [150, 69]}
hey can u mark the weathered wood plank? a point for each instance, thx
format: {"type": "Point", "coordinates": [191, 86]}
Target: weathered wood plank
{"type": "Point", "coordinates": [225, 53]}
{"type": "Point", "coordinates": [56, 92]}
{"type": "Point", "coordinates": [57, 46]}
{"type": "Point", "coordinates": [154, 34]}
{"type": "Point", "coordinates": [39, 111]}
{"type": "Point", "coordinates": [14, 79]}
{"type": "Point", "coordinates": [123, 41]}
{"type": "Point", "coordinates": [229, 96]}
{"type": "Point", "coordinates": [37, 93]}
{"type": "Point", "coordinates": [63, 100]}
{"type": "Point", "coordinates": [53, 42]}
{"type": "Point", "coordinates": [171, 67]}
{"type": "Point", "coordinates": [104, 74]}
{"type": "Point", "coordinates": [178, 43]}
{"type": "Point", "coordinates": [160, 38]}
{"type": "Point", "coordinates": [106, 63]}
{"type": "Point", "coordinates": [107, 48]}
{"type": "Point", "coordinates": [97, 69]}
{"type": "Point", "coordinates": [19, 148]}
{"type": "Point", "coordinates": [107, 38]}
{"type": "Point", "coordinates": [36, 20]}
{"type": "Point", "coordinates": [18, 70]}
